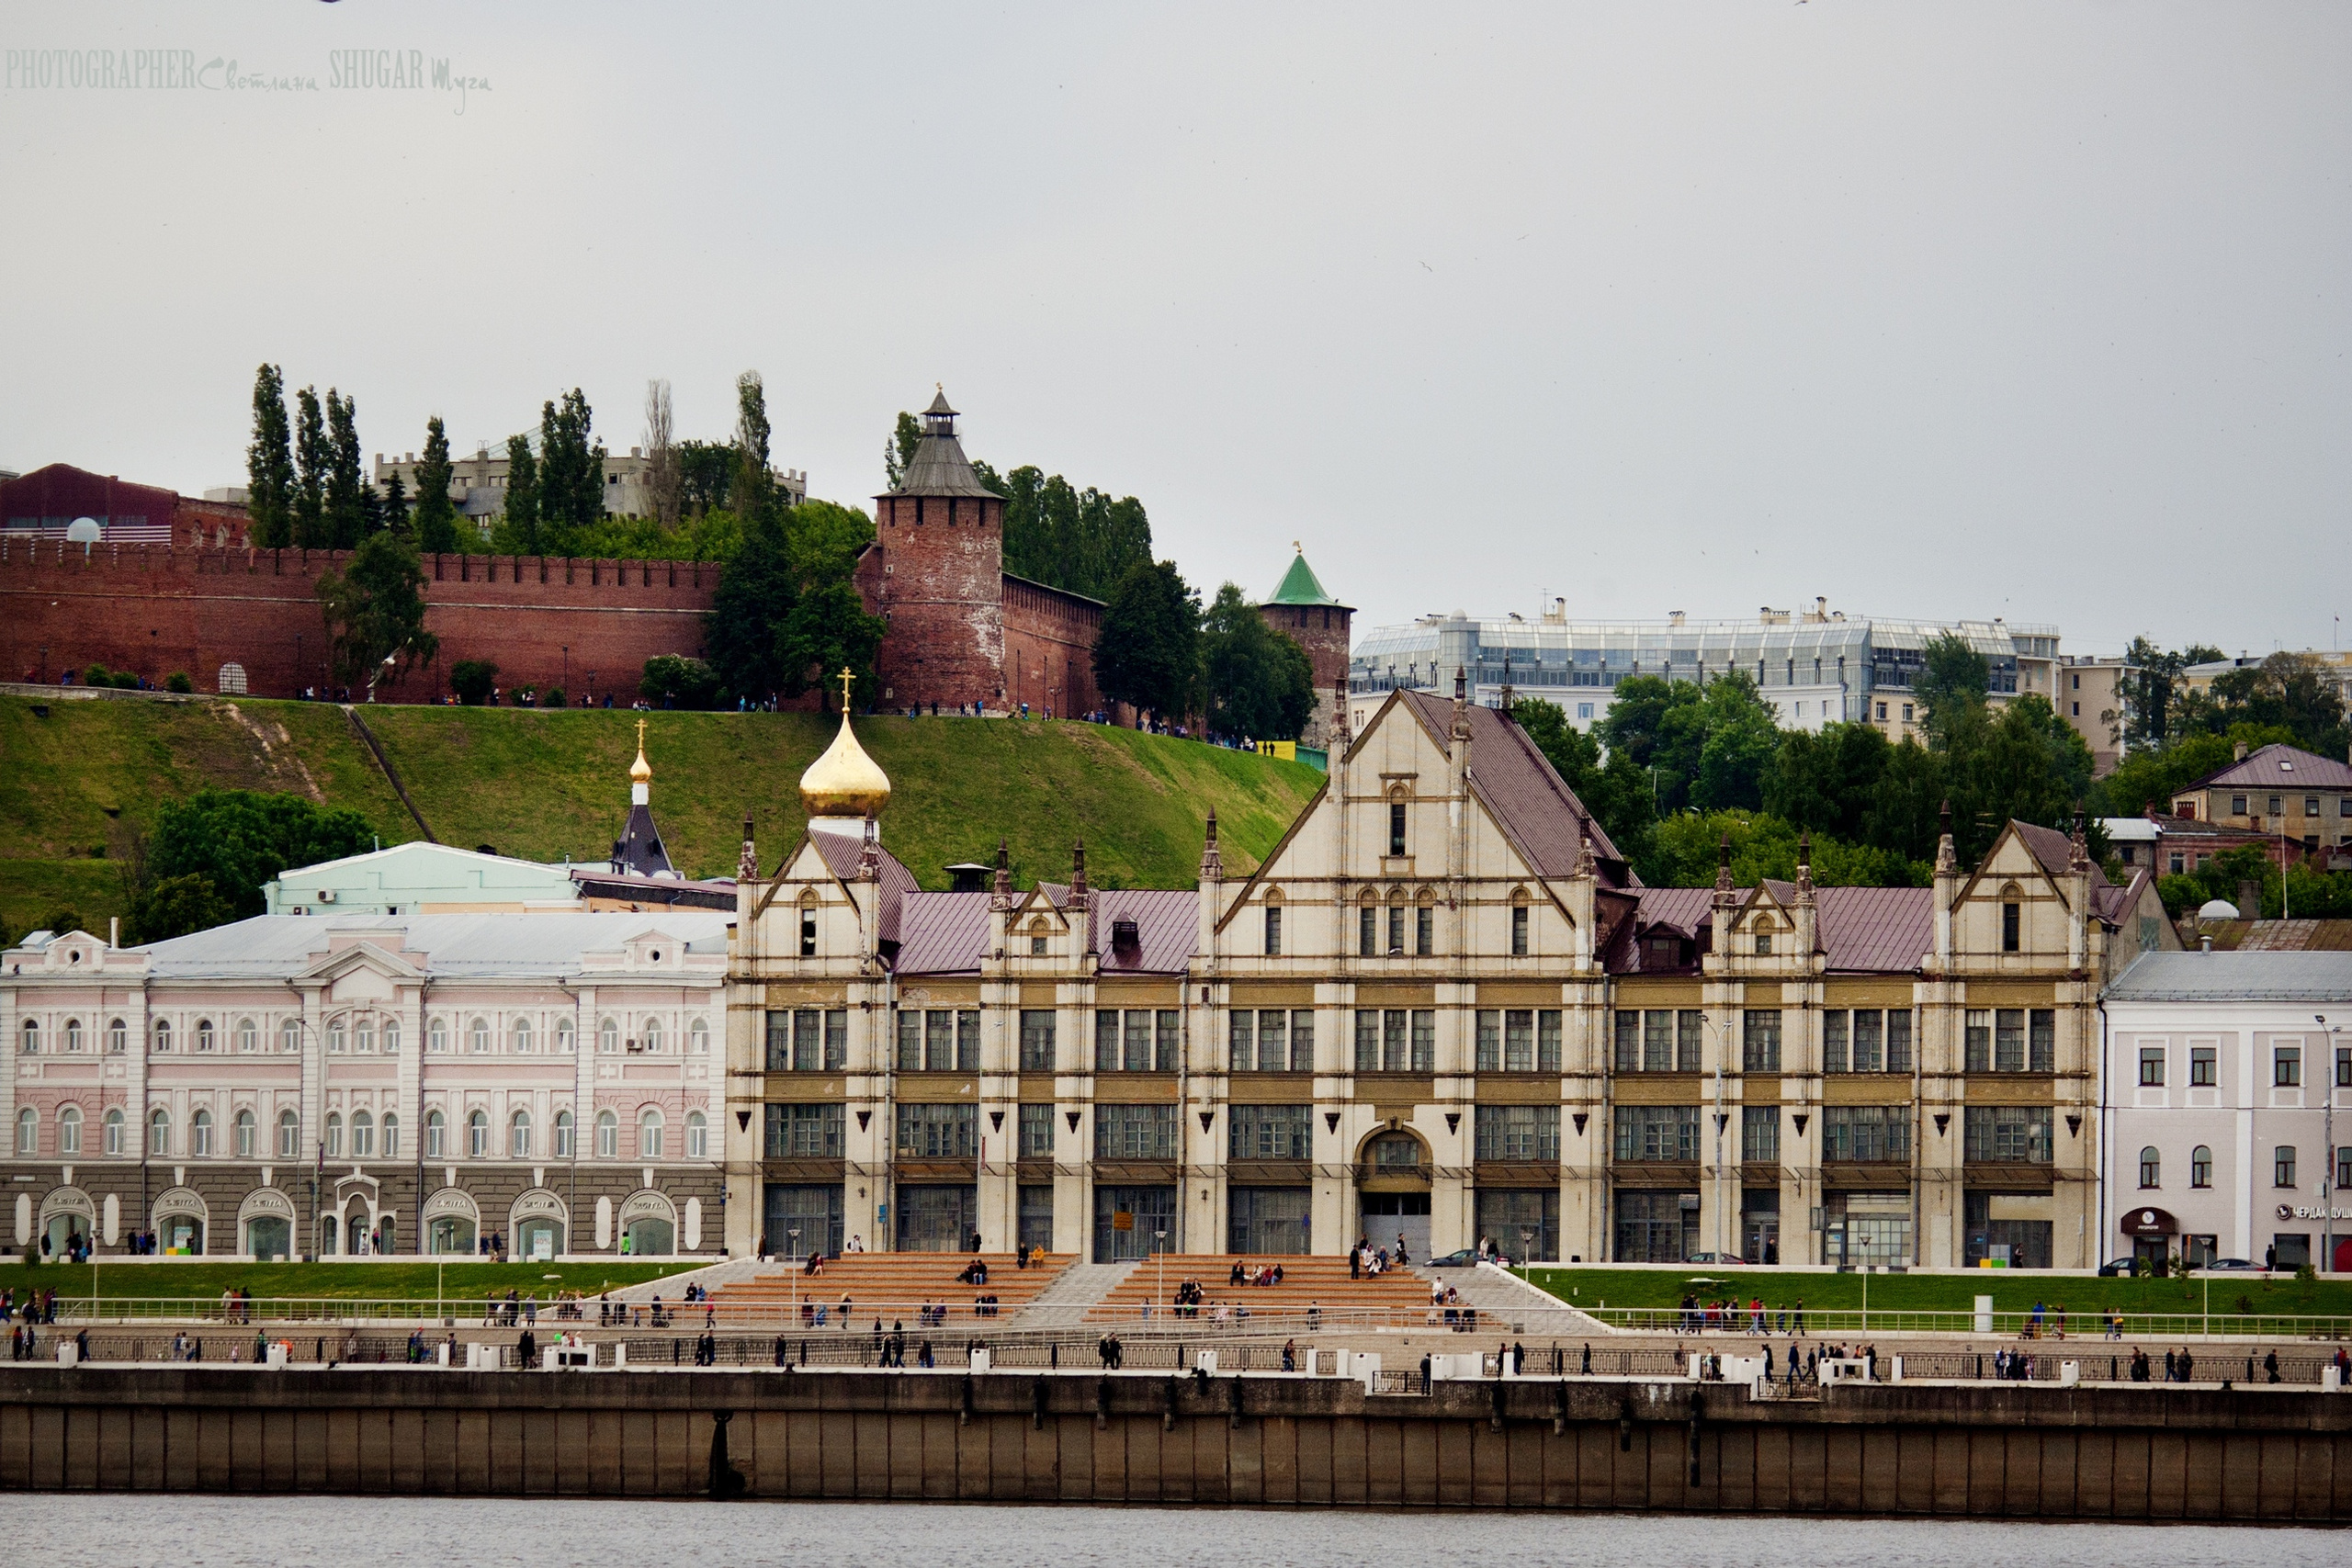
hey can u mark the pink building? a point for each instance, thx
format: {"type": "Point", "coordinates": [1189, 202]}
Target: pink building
{"type": "Point", "coordinates": [363, 1085]}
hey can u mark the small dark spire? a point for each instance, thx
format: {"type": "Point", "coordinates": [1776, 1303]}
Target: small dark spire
{"type": "Point", "coordinates": [1001, 888]}
{"type": "Point", "coordinates": [1943, 819]}
{"type": "Point", "coordinates": [1078, 872]}
{"type": "Point", "coordinates": [1212, 824]}
{"type": "Point", "coordinates": [1722, 853]}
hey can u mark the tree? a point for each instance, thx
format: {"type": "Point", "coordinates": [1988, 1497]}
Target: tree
{"type": "Point", "coordinates": [826, 631]}
{"type": "Point", "coordinates": [237, 840]}
{"type": "Point", "coordinates": [313, 459]}
{"type": "Point", "coordinates": [269, 464]}
{"type": "Point", "coordinates": [661, 455]}
{"type": "Point", "coordinates": [2024, 762]}
{"type": "Point", "coordinates": [375, 613]}
{"type": "Point", "coordinates": [1826, 780]}
{"type": "Point", "coordinates": [175, 906]}
{"type": "Point", "coordinates": [752, 484]}
{"type": "Point", "coordinates": [787, 613]}
{"type": "Point", "coordinates": [1737, 747]}
{"type": "Point", "coordinates": [436, 514]}
{"type": "Point", "coordinates": [755, 592]}
{"type": "Point", "coordinates": [1953, 677]}
{"type": "Point", "coordinates": [473, 679]}
{"type": "Point", "coordinates": [1616, 792]}
{"type": "Point", "coordinates": [522, 496]}
{"type": "Point", "coordinates": [2292, 692]}
{"type": "Point", "coordinates": [1082, 541]}
{"type": "Point", "coordinates": [571, 492]}
{"type": "Point", "coordinates": [898, 451]}
{"type": "Point", "coordinates": [1258, 684]}
{"type": "Point", "coordinates": [394, 510]}
{"type": "Point", "coordinates": [1905, 809]}
{"type": "Point", "coordinates": [1147, 653]}
{"type": "Point", "coordinates": [347, 509]}
{"type": "Point", "coordinates": [1763, 846]}
{"type": "Point", "coordinates": [672, 681]}
{"type": "Point", "coordinates": [705, 472]}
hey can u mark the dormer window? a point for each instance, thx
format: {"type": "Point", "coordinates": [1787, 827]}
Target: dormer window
{"type": "Point", "coordinates": [1763, 945]}
{"type": "Point", "coordinates": [1037, 947]}
{"type": "Point", "coordinates": [1126, 940]}
{"type": "Point", "coordinates": [808, 928]}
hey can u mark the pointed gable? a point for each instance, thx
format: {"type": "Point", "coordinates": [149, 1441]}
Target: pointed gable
{"type": "Point", "coordinates": [1525, 794]}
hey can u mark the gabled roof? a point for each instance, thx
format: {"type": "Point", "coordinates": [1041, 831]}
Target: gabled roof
{"type": "Point", "coordinates": [1534, 806]}
{"type": "Point", "coordinates": [1301, 586]}
{"type": "Point", "coordinates": [2277, 766]}
{"type": "Point", "coordinates": [1860, 931]}
{"type": "Point", "coordinates": [2235, 977]}
{"type": "Point", "coordinates": [546, 946]}
{"type": "Point", "coordinates": [947, 933]}
{"type": "Point", "coordinates": [839, 853]}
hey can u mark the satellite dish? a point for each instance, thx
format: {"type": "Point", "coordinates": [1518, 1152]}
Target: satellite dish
{"type": "Point", "coordinates": [83, 531]}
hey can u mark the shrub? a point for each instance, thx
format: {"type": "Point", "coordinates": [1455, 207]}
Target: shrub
{"type": "Point", "coordinates": [554, 698]}
{"type": "Point", "coordinates": [177, 680]}
{"type": "Point", "coordinates": [63, 919]}
{"type": "Point", "coordinates": [98, 675]}
{"type": "Point", "coordinates": [472, 680]}
{"type": "Point", "coordinates": [673, 681]}
{"type": "Point", "coordinates": [124, 680]}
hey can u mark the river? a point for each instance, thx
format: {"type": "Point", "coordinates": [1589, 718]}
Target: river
{"type": "Point", "coordinates": [107, 1531]}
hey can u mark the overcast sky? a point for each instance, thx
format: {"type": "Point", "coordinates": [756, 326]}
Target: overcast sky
{"type": "Point", "coordinates": [2033, 310]}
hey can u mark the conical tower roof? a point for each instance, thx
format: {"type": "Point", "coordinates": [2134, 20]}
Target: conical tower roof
{"type": "Point", "coordinates": [939, 466]}
{"type": "Point", "coordinates": [1300, 585]}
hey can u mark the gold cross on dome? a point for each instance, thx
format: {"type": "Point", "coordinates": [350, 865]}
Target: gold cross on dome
{"type": "Point", "coordinates": [641, 735]}
{"type": "Point", "coordinates": [846, 678]}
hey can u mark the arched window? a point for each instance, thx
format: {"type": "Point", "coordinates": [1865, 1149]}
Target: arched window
{"type": "Point", "coordinates": [391, 1139]}
{"type": "Point", "coordinates": [1394, 943]}
{"type": "Point", "coordinates": [435, 1125]}
{"type": "Point", "coordinates": [363, 1135]}
{"type": "Point", "coordinates": [28, 1131]}
{"type": "Point", "coordinates": [248, 1037]}
{"type": "Point", "coordinates": [247, 1132]}
{"type": "Point", "coordinates": [334, 1135]}
{"type": "Point", "coordinates": [199, 1133]}
{"type": "Point", "coordinates": [478, 1134]}
{"type": "Point", "coordinates": [648, 1134]}
{"type": "Point", "coordinates": [33, 1037]}
{"type": "Point", "coordinates": [118, 1037]}
{"type": "Point", "coordinates": [391, 1037]}
{"type": "Point", "coordinates": [698, 1039]}
{"type": "Point", "coordinates": [608, 1135]}
{"type": "Point", "coordinates": [204, 1034]}
{"type": "Point", "coordinates": [335, 1039]}
{"type": "Point", "coordinates": [608, 1035]}
{"type": "Point", "coordinates": [653, 1035]}
{"type": "Point", "coordinates": [159, 1133]}
{"type": "Point", "coordinates": [69, 1129]}
{"type": "Point", "coordinates": [523, 1034]}
{"type": "Point", "coordinates": [437, 1037]}
{"type": "Point", "coordinates": [563, 1041]}
{"type": "Point", "coordinates": [163, 1035]}
{"type": "Point", "coordinates": [113, 1129]}
{"type": "Point", "coordinates": [2200, 1166]}
{"type": "Point", "coordinates": [697, 1136]}
{"type": "Point", "coordinates": [1424, 924]}
{"type": "Point", "coordinates": [1273, 944]}
{"type": "Point", "coordinates": [807, 925]}
{"type": "Point", "coordinates": [72, 1035]}
{"type": "Point", "coordinates": [563, 1134]}
{"type": "Point", "coordinates": [2152, 1166]}
{"type": "Point", "coordinates": [290, 1036]}
{"type": "Point", "coordinates": [478, 1036]}
{"type": "Point", "coordinates": [290, 1135]}
{"type": "Point", "coordinates": [1519, 920]}
{"type": "Point", "coordinates": [363, 1035]}
{"type": "Point", "coordinates": [519, 1135]}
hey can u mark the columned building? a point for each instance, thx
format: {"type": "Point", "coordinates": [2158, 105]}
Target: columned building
{"type": "Point", "coordinates": [1443, 1008]}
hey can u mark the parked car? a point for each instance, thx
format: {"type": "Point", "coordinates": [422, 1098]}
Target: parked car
{"type": "Point", "coordinates": [2118, 1269]}
{"type": "Point", "coordinates": [1715, 1257]}
{"type": "Point", "coordinates": [2233, 1263]}
{"type": "Point", "coordinates": [1465, 1259]}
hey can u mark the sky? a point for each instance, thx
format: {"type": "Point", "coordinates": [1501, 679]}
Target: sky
{"type": "Point", "coordinates": [2036, 311]}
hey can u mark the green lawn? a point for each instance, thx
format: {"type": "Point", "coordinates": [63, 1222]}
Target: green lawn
{"type": "Point", "coordinates": [460, 1281]}
{"type": "Point", "coordinates": [546, 785]}
{"type": "Point", "coordinates": [2012, 1291]}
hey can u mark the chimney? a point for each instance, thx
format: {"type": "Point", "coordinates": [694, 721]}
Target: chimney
{"type": "Point", "coordinates": [2249, 901]}
{"type": "Point", "coordinates": [2237, 752]}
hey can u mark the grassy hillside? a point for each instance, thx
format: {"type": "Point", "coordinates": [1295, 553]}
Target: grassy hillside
{"type": "Point", "coordinates": [544, 785]}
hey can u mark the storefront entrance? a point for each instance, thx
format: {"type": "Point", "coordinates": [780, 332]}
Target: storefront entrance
{"type": "Point", "coordinates": [1133, 1222]}
{"type": "Point", "coordinates": [936, 1219]}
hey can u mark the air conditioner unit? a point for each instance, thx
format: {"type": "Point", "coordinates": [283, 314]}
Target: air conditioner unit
{"type": "Point", "coordinates": [326, 895]}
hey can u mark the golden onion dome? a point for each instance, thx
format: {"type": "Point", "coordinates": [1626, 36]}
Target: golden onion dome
{"type": "Point", "coordinates": [640, 772]}
{"type": "Point", "coordinates": [844, 781]}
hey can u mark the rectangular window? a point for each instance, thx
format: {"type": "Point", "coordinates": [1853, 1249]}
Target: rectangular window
{"type": "Point", "coordinates": [1274, 1045]}
{"type": "Point", "coordinates": [2286, 1066]}
{"type": "Point", "coordinates": [1424, 931]}
{"type": "Point", "coordinates": [1490, 1042]}
{"type": "Point", "coordinates": [1275, 932]}
{"type": "Point", "coordinates": [2237, 805]}
{"type": "Point", "coordinates": [1866, 1133]}
{"type": "Point", "coordinates": [1106, 1041]}
{"type": "Point", "coordinates": [1396, 930]}
{"type": "Point", "coordinates": [1393, 1040]}
{"type": "Point", "coordinates": [1657, 1041]}
{"type": "Point", "coordinates": [804, 1131]}
{"type": "Point", "coordinates": [836, 1039]}
{"type": "Point", "coordinates": [1135, 1131]}
{"type": "Point", "coordinates": [1271, 1132]}
{"type": "Point", "coordinates": [2010, 920]}
{"type": "Point", "coordinates": [967, 1041]}
{"type": "Point", "coordinates": [1519, 1133]}
{"type": "Point", "coordinates": [1898, 1040]}
{"type": "Point", "coordinates": [1036, 1040]}
{"type": "Point", "coordinates": [1519, 1041]}
{"type": "Point", "coordinates": [1689, 1039]}
{"type": "Point", "coordinates": [1518, 930]}
{"type": "Point", "coordinates": [1367, 933]}
{"type": "Point", "coordinates": [1760, 1041]}
{"type": "Point", "coordinates": [1302, 1040]}
{"type": "Point", "coordinates": [937, 1132]}
{"type": "Point", "coordinates": [1759, 1135]}
{"type": "Point", "coordinates": [1135, 1041]}
{"type": "Point", "coordinates": [939, 1040]}
{"type": "Point", "coordinates": [2343, 1066]}
{"type": "Point", "coordinates": [1397, 830]}
{"type": "Point", "coordinates": [910, 1040]}
{"type": "Point", "coordinates": [1367, 1040]}
{"type": "Point", "coordinates": [2008, 1039]}
{"type": "Point", "coordinates": [1978, 1027]}
{"type": "Point", "coordinates": [2203, 1066]}
{"type": "Point", "coordinates": [2282, 1166]}
{"type": "Point", "coordinates": [1547, 1040]}
{"type": "Point", "coordinates": [1168, 1039]}
{"type": "Point", "coordinates": [2042, 1040]}
{"type": "Point", "coordinates": [1870, 1050]}
{"type": "Point", "coordinates": [1629, 1041]}
{"type": "Point", "coordinates": [1241, 1040]}
{"type": "Point", "coordinates": [1834, 1056]}
{"type": "Point", "coordinates": [1036, 1132]}
{"type": "Point", "coordinates": [2008, 1134]}
{"type": "Point", "coordinates": [807, 1039]}
{"type": "Point", "coordinates": [1657, 1132]}
{"type": "Point", "coordinates": [779, 1041]}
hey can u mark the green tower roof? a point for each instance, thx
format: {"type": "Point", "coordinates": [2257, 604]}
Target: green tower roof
{"type": "Point", "coordinates": [1300, 586]}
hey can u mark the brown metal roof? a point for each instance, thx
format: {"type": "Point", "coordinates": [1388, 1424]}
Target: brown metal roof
{"type": "Point", "coordinates": [1534, 805]}
{"type": "Point", "coordinates": [1863, 930]}
{"type": "Point", "coordinates": [2278, 766]}
{"type": "Point", "coordinates": [947, 933]}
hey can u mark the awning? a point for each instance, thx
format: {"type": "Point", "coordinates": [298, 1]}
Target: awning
{"type": "Point", "coordinates": [2149, 1221]}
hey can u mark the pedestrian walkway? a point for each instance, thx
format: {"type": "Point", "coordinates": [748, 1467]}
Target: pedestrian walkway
{"type": "Point", "coordinates": [1310, 1284]}
{"type": "Point", "coordinates": [1507, 1303]}
{"type": "Point", "coordinates": [1073, 1294]}
{"type": "Point", "coordinates": [893, 1286]}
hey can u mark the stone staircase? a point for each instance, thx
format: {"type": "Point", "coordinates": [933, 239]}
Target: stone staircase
{"type": "Point", "coordinates": [1508, 1304]}
{"type": "Point", "coordinates": [1312, 1284]}
{"type": "Point", "coordinates": [892, 1286]}
{"type": "Point", "coordinates": [1074, 1293]}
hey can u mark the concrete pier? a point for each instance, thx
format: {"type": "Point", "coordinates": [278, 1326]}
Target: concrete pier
{"type": "Point", "coordinates": [2139, 1452]}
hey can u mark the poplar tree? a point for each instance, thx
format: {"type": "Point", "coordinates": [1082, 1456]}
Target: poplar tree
{"type": "Point", "coordinates": [522, 494]}
{"type": "Point", "coordinates": [313, 459]}
{"type": "Point", "coordinates": [437, 515]}
{"type": "Point", "coordinates": [346, 511]}
{"type": "Point", "coordinates": [394, 511]}
{"type": "Point", "coordinates": [269, 464]}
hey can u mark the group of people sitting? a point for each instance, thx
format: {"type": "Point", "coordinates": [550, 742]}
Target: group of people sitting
{"type": "Point", "coordinates": [1264, 1274]}
{"type": "Point", "coordinates": [1446, 1310]}
{"type": "Point", "coordinates": [1365, 1259]}
{"type": "Point", "coordinates": [975, 1272]}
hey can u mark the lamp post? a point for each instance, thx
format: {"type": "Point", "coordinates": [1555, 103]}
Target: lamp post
{"type": "Point", "coordinates": [1160, 1257]}
{"type": "Point", "coordinates": [2327, 1138]}
{"type": "Point", "coordinates": [567, 669]}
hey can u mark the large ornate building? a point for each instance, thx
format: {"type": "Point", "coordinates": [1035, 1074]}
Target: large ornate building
{"type": "Point", "coordinates": [1443, 1009]}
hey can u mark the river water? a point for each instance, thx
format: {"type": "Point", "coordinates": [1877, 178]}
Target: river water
{"type": "Point", "coordinates": [333, 1532]}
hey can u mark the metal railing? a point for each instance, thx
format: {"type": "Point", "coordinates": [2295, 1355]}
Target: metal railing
{"type": "Point", "coordinates": [2050, 1326]}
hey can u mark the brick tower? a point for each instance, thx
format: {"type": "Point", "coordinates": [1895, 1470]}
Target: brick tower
{"type": "Point", "coordinates": [1300, 609]}
{"type": "Point", "coordinates": [939, 540]}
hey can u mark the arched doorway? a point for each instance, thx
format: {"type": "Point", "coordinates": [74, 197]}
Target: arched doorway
{"type": "Point", "coordinates": [536, 1222]}
{"type": "Point", "coordinates": [649, 1225]}
{"type": "Point", "coordinates": [180, 1214]}
{"type": "Point", "coordinates": [68, 1220]}
{"type": "Point", "coordinates": [266, 1221]}
{"type": "Point", "coordinates": [1392, 1192]}
{"type": "Point", "coordinates": [451, 1222]}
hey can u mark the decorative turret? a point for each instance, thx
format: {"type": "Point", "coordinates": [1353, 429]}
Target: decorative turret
{"type": "Point", "coordinates": [639, 851]}
{"type": "Point", "coordinates": [747, 868]}
{"type": "Point", "coordinates": [1947, 886]}
{"type": "Point", "coordinates": [1804, 866]}
{"type": "Point", "coordinates": [1000, 886]}
{"type": "Point", "coordinates": [1723, 870]}
{"type": "Point", "coordinates": [640, 772]}
{"type": "Point", "coordinates": [1947, 857]}
{"type": "Point", "coordinates": [1212, 859]}
{"type": "Point", "coordinates": [869, 853]}
{"type": "Point", "coordinates": [1078, 898]}
{"type": "Point", "coordinates": [844, 788]}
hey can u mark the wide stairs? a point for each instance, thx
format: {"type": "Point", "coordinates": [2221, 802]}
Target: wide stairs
{"type": "Point", "coordinates": [891, 1286]}
{"type": "Point", "coordinates": [1315, 1294]}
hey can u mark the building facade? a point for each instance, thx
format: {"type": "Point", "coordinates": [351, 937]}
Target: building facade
{"type": "Point", "coordinates": [1302, 609]}
{"type": "Point", "coordinates": [1443, 1008]}
{"type": "Point", "coordinates": [478, 483]}
{"type": "Point", "coordinates": [2229, 1105]}
{"type": "Point", "coordinates": [334, 1086]}
{"type": "Point", "coordinates": [44, 504]}
{"type": "Point", "coordinates": [1814, 667]}
{"type": "Point", "coordinates": [2281, 792]}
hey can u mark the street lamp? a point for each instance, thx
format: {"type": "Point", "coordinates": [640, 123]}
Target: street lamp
{"type": "Point", "coordinates": [2327, 1163]}
{"type": "Point", "coordinates": [1160, 1257]}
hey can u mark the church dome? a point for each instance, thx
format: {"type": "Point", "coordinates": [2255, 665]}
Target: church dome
{"type": "Point", "coordinates": [844, 781]}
